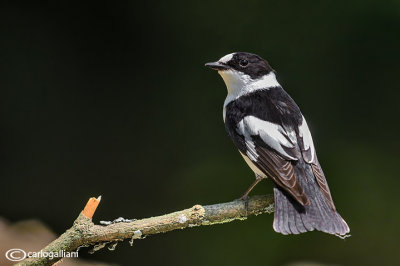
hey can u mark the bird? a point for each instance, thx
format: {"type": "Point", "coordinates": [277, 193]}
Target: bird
{"type": "Point", "coordinates": [272, 135]}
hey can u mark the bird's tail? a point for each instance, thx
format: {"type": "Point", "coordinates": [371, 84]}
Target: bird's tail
{"type": "Point", "coordinates": [290, 217]}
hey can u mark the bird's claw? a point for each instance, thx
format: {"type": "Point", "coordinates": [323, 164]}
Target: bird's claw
{"type": "Point", "coordinates": [245, 199]}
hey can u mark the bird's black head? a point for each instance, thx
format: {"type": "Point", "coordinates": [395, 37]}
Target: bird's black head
{"type": "Point", "coordinates": [247, 63]}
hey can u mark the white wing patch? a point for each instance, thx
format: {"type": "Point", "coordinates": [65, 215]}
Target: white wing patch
{"type": "Point", "coordinates": [272, 134]}
{"type": "Point", "coordinates": [250, 146]}
{"type": "Point", "coordinates": [308, 143]}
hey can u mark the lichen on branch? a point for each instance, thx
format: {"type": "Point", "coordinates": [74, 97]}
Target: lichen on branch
{"type": "Point", "coordinates": [85, 233]}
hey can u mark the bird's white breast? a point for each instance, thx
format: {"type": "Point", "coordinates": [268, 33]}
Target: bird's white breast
{"type": "Point", "coordinates": [252, 166]}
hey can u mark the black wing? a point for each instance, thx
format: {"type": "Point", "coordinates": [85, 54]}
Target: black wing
{"type": "Point", "coordinates": [271, 150]}
{"type": "Point", "coordinates": [267, 127]}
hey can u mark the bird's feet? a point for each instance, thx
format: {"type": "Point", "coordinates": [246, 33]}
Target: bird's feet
{"type": "Point", "coordinates": [245, 196]}
{"type": "Point", "coordinates": [245, 199]}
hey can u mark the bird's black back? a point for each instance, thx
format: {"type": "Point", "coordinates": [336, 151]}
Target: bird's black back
{"type": "Point", "coordinates": [273, 105]}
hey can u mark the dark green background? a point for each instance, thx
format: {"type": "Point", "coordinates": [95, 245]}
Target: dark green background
{"type": "Point", "coordinates": [115, 100]}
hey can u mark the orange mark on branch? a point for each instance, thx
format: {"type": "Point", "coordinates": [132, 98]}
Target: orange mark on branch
{"type": "Point", "coordinates": [91, 207]}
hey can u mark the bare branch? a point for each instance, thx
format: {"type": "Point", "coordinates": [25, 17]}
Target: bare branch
{"type": "Point", "coordinates": [85, 233]}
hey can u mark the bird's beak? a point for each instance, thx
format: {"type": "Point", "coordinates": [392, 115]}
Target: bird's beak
{"type": "Point", "coordinates": [217, 66]}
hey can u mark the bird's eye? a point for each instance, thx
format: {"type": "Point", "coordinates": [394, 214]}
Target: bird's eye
{"type": "Point", "coordinates": [243, 62]}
